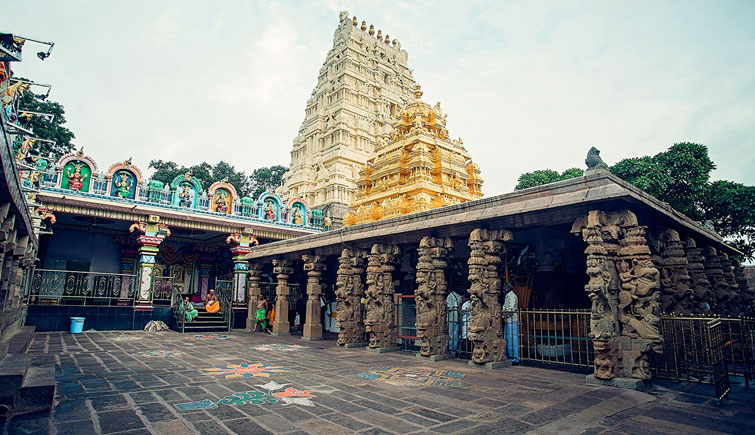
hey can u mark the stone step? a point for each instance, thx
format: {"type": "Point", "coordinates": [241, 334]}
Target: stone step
{"type": "Point", "coordinates": [20, 342]}
{"type": "Point", "coordinates": [13, 369]}
{"type": "Point", "coordinates": [193, 329]}
{"type": "Point", "coordinates": [205, 323]}
{"type": "Point", "coordinates": [38, 390]}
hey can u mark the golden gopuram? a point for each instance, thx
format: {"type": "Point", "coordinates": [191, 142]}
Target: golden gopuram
{"type": "Point", "coordinates": [416, 167]}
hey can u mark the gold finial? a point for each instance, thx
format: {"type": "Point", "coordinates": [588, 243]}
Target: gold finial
{"type": "Point", "coordinates": [372, 30]}
{"type": "Point", "coordinates": [188, 174]}
{"type": "Point", "coordinates": [387, 39]}
{"type": "Point", "coordinates": [417, 91]}
{"type": "Point", "coordinates": [127, 163]}
{"type": "Point", "coordinates": [224, 180]}
{"type": "Point", "coordinates": [380, 34]}
{"type": "Point", "coordinates": [364, 26]}
{"type": "Point", "coordinates": [354, 21]}
{"type": "Point", "coordinates": [80, 153]}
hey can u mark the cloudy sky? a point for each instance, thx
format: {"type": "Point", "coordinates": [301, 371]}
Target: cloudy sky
{"type": "Point", "coordinates": [527, 85]}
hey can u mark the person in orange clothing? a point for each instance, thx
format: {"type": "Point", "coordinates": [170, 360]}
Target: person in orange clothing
{"type": "Point", "coordinates": [211, 304]}
{"type": "Point", "coordinates": [271, 316]}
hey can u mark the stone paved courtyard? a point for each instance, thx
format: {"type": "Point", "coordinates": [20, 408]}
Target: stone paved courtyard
{"type": "Point", "coordinates": [168, 383]}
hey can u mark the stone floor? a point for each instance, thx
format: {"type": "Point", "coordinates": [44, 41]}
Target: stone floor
{"type": "Point", "coordinates": [139, 382]}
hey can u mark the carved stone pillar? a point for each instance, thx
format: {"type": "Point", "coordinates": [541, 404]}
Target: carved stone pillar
{"type": "Point", "coordinates": [154, 234]}
{"type": "Point", "coordinates": [719, 286]}
{"type": "Point", "coordinates": [624, 288]}
{"type": "Point", "coordinates": [486, 326]}
{"type": "Point", "coordinates": [349, 292]}
{"type": "Point", "coordinates": [282, 270]}
{"type": "Point", "coordinates": [701, 287]}
{"type": "Point", "coordinates": [380, 316]}
{"type": "Point", "coordinates": [432, 327]}
{"type": "Point", "coordinates": [314, 265]}
{"type": "Point", "coordinates": [676, 283]}
{"type": "Point", "coordinates": [254, 275]}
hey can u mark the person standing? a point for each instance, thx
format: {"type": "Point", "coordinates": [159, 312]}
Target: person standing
{"type": "Point", "coordinates": [453, 303]}
{"type": "Point", "coordinates": [466, 319]}
{"type": "Point", "coordinates": [511, 319]}
{"type": "Point", "coordinates": [261, 314]}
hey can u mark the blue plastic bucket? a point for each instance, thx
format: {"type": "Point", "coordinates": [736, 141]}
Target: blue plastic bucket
{"type": "Point", "coordinates": [77, 324]}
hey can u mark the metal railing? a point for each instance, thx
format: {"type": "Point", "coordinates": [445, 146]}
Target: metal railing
{"type": "Point", "coordinates": [268, 291]}
{"type": "Point", "coordinates": [406, 317]}
{"type": "Point", "coordinates": [691, 351]}
{"type": "Point", "coordinates": [178, 308]}
{"type": "Point", "coordinates": [555, 336]}
{"type": "Point", "coordinates": [162, 290]}
{"type": "Point", "coordinates": [66, 287]}
{"type": "Point", "coordinates": [224, 298]}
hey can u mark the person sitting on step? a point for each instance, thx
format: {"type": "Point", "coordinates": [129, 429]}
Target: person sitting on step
{"type": "Point", "coordinates": [211, 304]}
{"type": "Point", "coordinates": [191, 312]}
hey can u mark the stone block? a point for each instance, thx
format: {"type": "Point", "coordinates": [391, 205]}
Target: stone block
{"type": "Point", "coordinates": [627, 383]}
{"type": "Point", "coordinates": [353, 345]}
{"type": "Point", "coordinates": [13, 368]}
{"type": "Point", "coordinates": [434, 357]}
{"type": "Point", "coordinates": [493, 364]}
{"type": "Point", "coordinates": [312, 338]}
{"type": "Point", "coordinates": [383, 349]}
{"type": "Point", "coordinates": [38, 390]}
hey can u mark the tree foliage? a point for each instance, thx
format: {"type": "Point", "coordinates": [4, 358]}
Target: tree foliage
{"type": "Point", "coordinates": [266, 178]}
{"type": "Point", "coordinates": [546, 176]}
{"type": "Point", "coordinates": [44, 129]}
{"type": "Point", "coordinates": [680, 176]}
{"type": "Point", "coordinates": [207, 174]}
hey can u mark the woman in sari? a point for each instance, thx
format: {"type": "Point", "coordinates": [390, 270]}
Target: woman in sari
{"type": "Point", "coordinates": [211, 304]}
{"type": "Point", "coordinates": [191, 312]}
{"type": "Point", "coordinates": [261, 314]}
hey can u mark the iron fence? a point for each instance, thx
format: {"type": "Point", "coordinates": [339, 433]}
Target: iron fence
{"type": "Point", "coordinates": [268, 290]}
{"type": "Point", "coordinates": [162, 290]}
{"type": "Point", "coordinates": [406, 317]}
{"type": "Point", "coordinates": [66, 287]}
{"type": "Point", "coordinates": [555, 336]}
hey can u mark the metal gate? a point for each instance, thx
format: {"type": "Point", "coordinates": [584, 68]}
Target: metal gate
{"type": "Point", "coordinates": [720, 375]}
{"type": "Point", "coordinates": [555, 336]}
{"type": "Point", "coordinates": [406, 316]}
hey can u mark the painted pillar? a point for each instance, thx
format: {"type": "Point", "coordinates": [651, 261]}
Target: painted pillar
{"type": "Point", "coordinates": [149, 242]}
{"type": "Point", "coordinates": [380, 316]}
{"type": "Point", "coordinates": [282, 270]}
{"type": "Point", "coordinates": [254, 275]}
{"type": "Point", "coordinates": [486, 247]}
{"type": "Point", "coordinates": [314, 265]}
{"type": "Point", "coordinates": [243, 243]}
{"type": "Point", "coordinates": [349, 292]}
{"type": "Point", "coordinates": [430, 295]}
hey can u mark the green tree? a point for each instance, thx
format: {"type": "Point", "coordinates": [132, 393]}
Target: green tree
{"type": "Point", "coordinates": [207, 174]}
{"type": "Point", "coordinates": [238, 179]}
{"type": "Point", "coordinates": [44, 129]}
{"type": "Point", "coordinates": [546, 176]}
{"type": "Point", "coordinates": [731, 208]}
{"type": "Point", "coordinates": [265, 178]}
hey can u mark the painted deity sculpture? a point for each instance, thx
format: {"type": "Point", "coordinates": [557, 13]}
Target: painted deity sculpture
{"type": "Point", "coordinates": [221, 206]}
{"type": "Point", "coordinates": [185, 196]}
{"type": "Point", "coordinates": [76, 178]}
{"type": "Point", "coordinates": [297, 217]}
{"type": "Point", "coordinates": [269, 211]}
{"type": "Point", "coordinates": [123, 185]}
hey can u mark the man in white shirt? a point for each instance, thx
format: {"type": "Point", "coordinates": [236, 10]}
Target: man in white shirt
{"type": "Point", "coordinates": [511, 326]}
{"type": "Point", "coordinates": [453, 302]}
{"type": "Point", "coordinates": [466, 318]}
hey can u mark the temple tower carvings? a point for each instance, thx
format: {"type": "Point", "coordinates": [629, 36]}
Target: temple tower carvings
{"type": "Point", "coordinates": [362, 82]}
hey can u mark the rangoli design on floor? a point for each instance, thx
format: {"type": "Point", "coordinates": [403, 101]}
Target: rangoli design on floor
{"type": "Point", "coordinates": [243, 371]}
{"type": "Point", "coordinates": [278, 347]}
{"type": "Point", "coordinates": [162, 353]}
{"type": "Point", "coordinates": [413, 377]}
{"type": "Point", "coordinates": [269, 394]}
{"type": "Point", "coordinates": [212, 337]}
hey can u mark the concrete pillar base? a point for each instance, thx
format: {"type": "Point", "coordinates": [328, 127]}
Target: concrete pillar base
{"type": "Point", "coordinates": [304, 337]}
{"type": "Point", "coordinates": [492, 365]}
{"type": "Point", "coordinates": [280, 334]}
{"type": "Point", "coordinates": [434, 357]}
{"type": "Point", "coordinates": [383, 349]}
{"type": "Point", "coordinates": [353, 345]}
{"type": "Point", "coordinates": [628, 383]}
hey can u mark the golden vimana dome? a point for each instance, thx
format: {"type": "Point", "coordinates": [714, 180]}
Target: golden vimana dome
{"type": "Point", "coordinates": [415, 167]}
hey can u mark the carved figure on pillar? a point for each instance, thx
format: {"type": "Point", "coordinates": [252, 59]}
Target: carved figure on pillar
{"type": "Point", "coordinates": [314, 265]}
{"type": "Point", "coordinates": [720, 288]}
{"type": "Point", "coordinates": [349, 292]}
{"type": "Point", "coordinates": [431, 324]}
{"type": "Point", "coordinates": [676, 289]}
{"type": "Point", "coordinates": [746, 296]}
{"type": "Point", "coordinates": [486, 327]}
{"type": "Point", "coordinates": [380, 317]}
{"type": "Point", "coordinates": [701, 287]}
{"type": "Point", "coordinates": [731, 304]}
{"type": "Point", "coordinates": [282, 270]}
